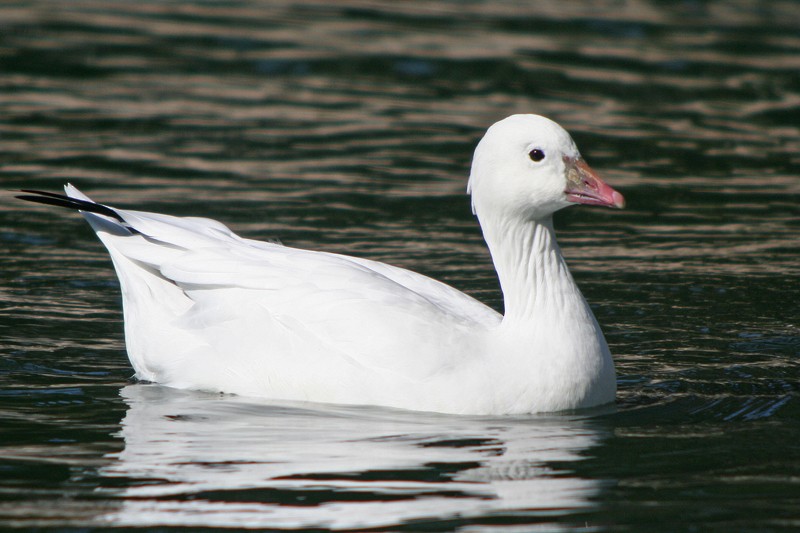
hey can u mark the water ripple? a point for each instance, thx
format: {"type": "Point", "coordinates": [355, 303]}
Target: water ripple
{"type": "Point", "coordinates": [349, 127]}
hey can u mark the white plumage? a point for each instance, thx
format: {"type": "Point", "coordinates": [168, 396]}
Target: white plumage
{"type": "Point", "coordinates": [206, 309]}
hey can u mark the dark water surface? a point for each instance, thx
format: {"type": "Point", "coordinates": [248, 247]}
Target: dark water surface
{"type": "Point", "coordinates": [349, 127]}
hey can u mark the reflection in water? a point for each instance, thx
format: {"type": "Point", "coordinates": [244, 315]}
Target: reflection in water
{"type": "Point", "coordinates": [348, 127]}
{"type": "Point", "coordinates": [203, 459]}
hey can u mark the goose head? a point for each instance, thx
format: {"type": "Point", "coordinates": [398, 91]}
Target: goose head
{"type": "Point", "coordinates": [527, 167]}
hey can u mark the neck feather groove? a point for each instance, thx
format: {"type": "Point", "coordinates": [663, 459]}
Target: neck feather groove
{"type": "Point", "coordinates": [533, 275]}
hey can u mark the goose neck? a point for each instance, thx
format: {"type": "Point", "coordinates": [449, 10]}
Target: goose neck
{"type": "Point", "coordinates": [533, 274]}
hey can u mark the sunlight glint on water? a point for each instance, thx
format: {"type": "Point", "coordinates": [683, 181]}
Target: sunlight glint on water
{"type": "Point", "coordinates": [349, 127]}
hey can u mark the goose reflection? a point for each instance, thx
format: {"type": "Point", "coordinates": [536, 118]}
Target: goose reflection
{"type": "Point", "coordinates": [196, 459]}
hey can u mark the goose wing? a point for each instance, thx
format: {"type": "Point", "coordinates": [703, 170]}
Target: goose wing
{"type": "Point", "coordinates": [374, 315]}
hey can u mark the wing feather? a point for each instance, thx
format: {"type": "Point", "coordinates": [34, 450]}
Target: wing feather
{"type": "Point", "coordinates": [234, 296]}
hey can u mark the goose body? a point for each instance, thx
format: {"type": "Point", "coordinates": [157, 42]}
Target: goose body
{"type": "Point", "coordinates": [206, 309]}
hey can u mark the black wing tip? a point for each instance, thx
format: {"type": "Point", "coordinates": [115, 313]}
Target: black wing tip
{"type": "Point", "coordinates": [61, 200]}
{"type": "Point", "coordinates": [48, 199]}
{"type": "Point", "coordinates": [30, 194]}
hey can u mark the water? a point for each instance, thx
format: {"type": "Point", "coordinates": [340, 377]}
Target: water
{"type": "Point", "coordinates": [349, 127]}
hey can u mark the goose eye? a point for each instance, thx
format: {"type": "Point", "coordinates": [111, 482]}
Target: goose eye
{"type": "Point", "coordinates": [536, 155]}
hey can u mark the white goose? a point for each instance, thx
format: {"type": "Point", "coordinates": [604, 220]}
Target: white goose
{"type": "Point", "coordinates": [206, 309]}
